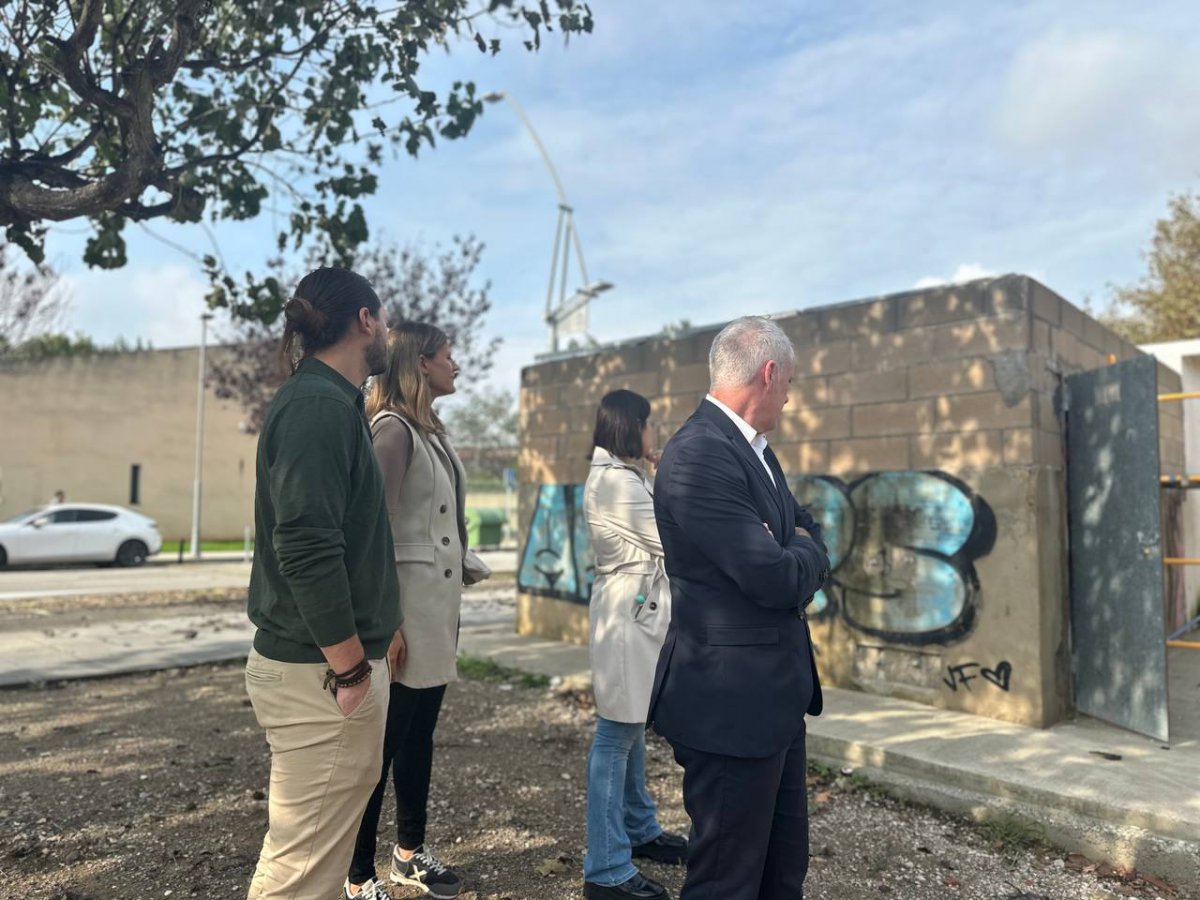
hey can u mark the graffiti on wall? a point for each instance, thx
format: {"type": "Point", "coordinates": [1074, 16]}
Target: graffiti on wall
{"type": "Point", "coordinates": [902, 548]}
{"type": "Point", "coordinates": [964, 673]}
{"type": "Point", "coordinates": [557, 560]}
{"type": "Point", "coordinates": [902, 551]}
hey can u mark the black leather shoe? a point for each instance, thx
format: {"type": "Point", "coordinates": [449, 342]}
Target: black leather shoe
{"type": "Point", "coordinates": [668, 848]}
{"type": "Point", "coordinates": [636, 888]}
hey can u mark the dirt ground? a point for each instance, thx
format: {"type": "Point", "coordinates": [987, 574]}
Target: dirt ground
{"type": "Point", "coordinates": [154, 786]}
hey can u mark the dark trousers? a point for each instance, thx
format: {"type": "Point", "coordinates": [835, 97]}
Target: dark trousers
{"type": "Point", "coordinates": [408, 752]}
{"type": "Point", "coordinates": [749, 824]}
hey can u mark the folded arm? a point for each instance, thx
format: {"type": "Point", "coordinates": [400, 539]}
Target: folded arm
{"type": "Point", "coordinates": [709, 498]}
{"type": "Point", "coordinates": [805, 520]}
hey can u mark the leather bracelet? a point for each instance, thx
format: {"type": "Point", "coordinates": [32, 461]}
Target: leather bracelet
{"type": "Point", "coordinates": [357, 679]}
{"type": "Point", "coordinates": [355, 675]}
{"type": "Point", "coordinates": [354, 671]}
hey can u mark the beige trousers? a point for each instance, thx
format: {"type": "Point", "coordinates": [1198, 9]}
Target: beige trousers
{"type": "Point", "coordinates": [323, 768]}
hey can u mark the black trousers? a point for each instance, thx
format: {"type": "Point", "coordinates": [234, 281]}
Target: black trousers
{"type": "Point", "coordinates": [749, 824]}
{"type": "Point", "coordinates": [408, 751]}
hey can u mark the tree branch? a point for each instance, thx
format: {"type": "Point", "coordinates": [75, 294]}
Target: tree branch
{"type": "Point", "coordinates": [45, 171]}
{"type": "Point", "coordinates": [72, 54]}
{"type": "Point", "coordinates": [183, 36]}
{"type": "Point", "coordinates": [196, 66]}
{"type": "Point", "coordinates": [72, 154]}
{"type": "Point", "coordinates": [73, 196]}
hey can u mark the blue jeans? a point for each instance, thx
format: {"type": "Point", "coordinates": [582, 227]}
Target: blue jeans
{"type": "Point", "coordinates": [620, 811]}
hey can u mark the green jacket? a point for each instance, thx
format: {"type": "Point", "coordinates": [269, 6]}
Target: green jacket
{"type": "Point", "coordinates": [324, 568]}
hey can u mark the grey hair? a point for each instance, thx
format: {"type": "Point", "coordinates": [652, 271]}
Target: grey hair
{"type": "Point", "coordinates": [743, 348]}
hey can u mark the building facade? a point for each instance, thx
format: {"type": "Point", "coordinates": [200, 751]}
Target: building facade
{"type": "Point", "coordinates": [121, 428]}
{"type": "Point", "coordinates": [926, 431]}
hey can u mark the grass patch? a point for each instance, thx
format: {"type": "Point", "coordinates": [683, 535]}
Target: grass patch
{"type": "Point", "coordinates": [170, 546]}
{"type": "Point", "coordinates": [224, 546]}
{"type": "Point", "coordinates": [473, 668]}
{"type": "Point", "coordinates": [817, 770]}
{"type": "Point", "coordinates": [1013, 832]}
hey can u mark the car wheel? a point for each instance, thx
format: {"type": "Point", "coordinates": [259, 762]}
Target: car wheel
{"type": "Point", "coordinates": [3, 558]}
{"type": "Point", "coordinates": [132, 553]}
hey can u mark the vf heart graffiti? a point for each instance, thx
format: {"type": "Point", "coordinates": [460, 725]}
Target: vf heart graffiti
{"type": "Point", "coordinates": [964, 673]}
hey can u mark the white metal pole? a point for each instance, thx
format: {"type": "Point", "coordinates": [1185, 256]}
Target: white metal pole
{"type": "Point", "coordinates": [562, 195]}
{"type": "Point", "coordinates": [558, 230]}
{"type": "Point", "coordinates": [196, 481]}
{"type": "Point", "coordinates": [566, 227]}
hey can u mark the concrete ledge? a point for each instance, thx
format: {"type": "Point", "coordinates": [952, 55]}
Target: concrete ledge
{"type": "Point", "coordinates": [1142, 810]}
{"type": "Point", "coordinates": [538, 656]}
{"type": "Point", "coordinates": [1176, 860]}
{"type": "Point", "coordinates": [552, 619]}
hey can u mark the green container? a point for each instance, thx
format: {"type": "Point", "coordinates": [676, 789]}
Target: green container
{"type": "Point", "coordinates": [485, 527]}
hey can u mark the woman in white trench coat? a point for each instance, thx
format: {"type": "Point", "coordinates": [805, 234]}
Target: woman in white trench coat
{"type": "Point", "coordinates": [630, 611]}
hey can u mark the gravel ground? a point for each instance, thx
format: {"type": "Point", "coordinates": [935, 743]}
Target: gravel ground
{"type": "Point", "coordinates": [154, 786]}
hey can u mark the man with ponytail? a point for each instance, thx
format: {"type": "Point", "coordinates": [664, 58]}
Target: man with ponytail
{"type": "Point", "coordinates": [323, 590]}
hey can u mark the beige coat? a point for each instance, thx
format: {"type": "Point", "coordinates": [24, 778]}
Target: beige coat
{"type": "Point", "coordinates": [426, 500]}
{"type": "Point", "coordinates": [631, 599]}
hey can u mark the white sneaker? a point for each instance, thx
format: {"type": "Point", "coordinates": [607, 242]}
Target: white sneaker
{"type": "Point", "coordinates": [370, 890]}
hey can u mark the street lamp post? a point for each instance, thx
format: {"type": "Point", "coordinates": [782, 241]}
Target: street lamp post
{"type": "Point", "coordinates": [566, 238]}
{"type": "Point", "coordinates": [204, 320]}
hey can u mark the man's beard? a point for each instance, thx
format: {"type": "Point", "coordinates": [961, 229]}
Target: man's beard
{"type": "Point", "coordinates": [376, 356]}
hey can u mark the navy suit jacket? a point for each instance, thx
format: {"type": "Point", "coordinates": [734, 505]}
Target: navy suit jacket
{"type": "Point", "coordinates": [736, 673]}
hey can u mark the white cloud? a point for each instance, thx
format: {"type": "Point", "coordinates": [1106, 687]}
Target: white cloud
{"type": "Point", "coordinates": [1102, 94]}
{"type": "Point", "coordinates": [1066, 87]}
{"type": "Point", "coordinates": [156, 303]}
{"type": "Point", "coordinates": [965, 272]}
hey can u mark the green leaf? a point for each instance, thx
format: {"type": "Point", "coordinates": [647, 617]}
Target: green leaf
{"type": "Point", "coordinates": [271, 99]}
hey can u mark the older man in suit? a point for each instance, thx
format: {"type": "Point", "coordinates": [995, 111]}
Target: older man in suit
{"type": "Point", "coordinates": [736, 673]}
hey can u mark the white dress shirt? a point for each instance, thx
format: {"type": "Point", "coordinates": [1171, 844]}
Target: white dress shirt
{"type": "Point", "coordinates": [757, 442]}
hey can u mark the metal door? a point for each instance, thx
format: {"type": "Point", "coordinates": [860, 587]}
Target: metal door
{"type": "Point", "coordinates": [1118, 652]}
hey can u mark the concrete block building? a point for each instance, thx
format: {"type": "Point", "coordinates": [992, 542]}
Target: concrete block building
{"type": "Point", "coordinates": [121, 428]}
{"type": "Point", "coordinates": [926, 431]}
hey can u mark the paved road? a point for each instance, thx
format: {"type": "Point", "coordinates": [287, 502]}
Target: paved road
{"type": "Point", "coordinates": [149, 579]}
{"type": "Point", "coordinates": [181, 636]}
{"type": "Point", "coordinates": [218, 572]}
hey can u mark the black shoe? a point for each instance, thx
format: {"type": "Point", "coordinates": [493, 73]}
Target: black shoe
{"type": "Point", "coordinates": [668, 848]}
{"type": "Point", "coordinates": [427, 872]}
{"type": "Point", "coordinates": [636, 888]}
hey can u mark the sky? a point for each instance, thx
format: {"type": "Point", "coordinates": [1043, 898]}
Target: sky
{"type": "Point", "coordinates": [733, 158]}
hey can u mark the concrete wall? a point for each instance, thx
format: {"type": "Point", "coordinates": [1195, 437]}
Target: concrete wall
{"type": "Point", "coordinates": [79, 424]}
{"type": "Point", "coordinates": [923, 429]}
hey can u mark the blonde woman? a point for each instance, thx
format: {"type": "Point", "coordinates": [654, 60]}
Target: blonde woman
{"type": "Point", "coordinates": [425, 487]}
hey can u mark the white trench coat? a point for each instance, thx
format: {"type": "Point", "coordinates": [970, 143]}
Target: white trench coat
{"type": "Point", "coordinates": [631, 598]}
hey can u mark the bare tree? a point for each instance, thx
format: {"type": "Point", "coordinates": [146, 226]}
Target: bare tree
{"type": "Point", "coordinates": [483, 425]}
{"type": "Point", "coordinates": [32, 301]}
{"type": "Point", "coordinates": [437, 286]}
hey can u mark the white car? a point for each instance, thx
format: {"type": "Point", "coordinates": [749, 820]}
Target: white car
{"type": "Point", "coordinates": [79, 532]}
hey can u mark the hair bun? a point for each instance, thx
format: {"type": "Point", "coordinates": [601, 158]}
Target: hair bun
{"type": "Point", "coordinates": [302, 315]}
